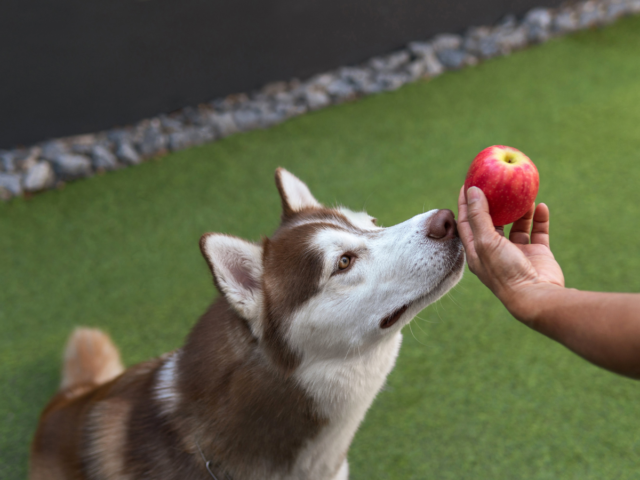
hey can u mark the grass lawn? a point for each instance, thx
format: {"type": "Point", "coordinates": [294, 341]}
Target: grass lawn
{"type": "Point", "coordinates": [475, 395]}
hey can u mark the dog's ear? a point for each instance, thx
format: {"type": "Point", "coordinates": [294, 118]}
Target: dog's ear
{"type": "Point", "coordinates": [237, 271]}
{"type": "Point", "coordinates": [294, 193]}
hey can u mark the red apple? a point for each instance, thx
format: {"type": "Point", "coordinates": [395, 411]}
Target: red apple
{"type": "Point", "coordinates": [509, 180]}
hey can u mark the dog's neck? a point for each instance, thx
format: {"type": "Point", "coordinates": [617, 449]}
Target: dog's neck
{"type": "Point", "coordinates": [250, 416]}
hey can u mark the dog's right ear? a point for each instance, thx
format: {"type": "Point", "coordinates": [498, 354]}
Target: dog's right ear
{"type": "Point", "coordinates": [237, 271]}
{"type": "Point", "coordinates": [295, 194]}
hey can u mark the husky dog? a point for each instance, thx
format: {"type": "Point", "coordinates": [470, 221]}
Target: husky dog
{"type": "Point", "coordinates": [275, 378]}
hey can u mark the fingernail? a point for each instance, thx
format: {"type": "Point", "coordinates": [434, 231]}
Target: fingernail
{"type": "Point", "coordinates": [473, 194]}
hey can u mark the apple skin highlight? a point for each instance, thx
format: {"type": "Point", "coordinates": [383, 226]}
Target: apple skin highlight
{"type": "Point", "coordinates": [509, 180]}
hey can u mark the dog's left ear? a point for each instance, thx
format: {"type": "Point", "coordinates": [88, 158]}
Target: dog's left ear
{"type": "Point", "coordinates": [237, 271]}
{"type": "Point", "coordinates": [295, 194]}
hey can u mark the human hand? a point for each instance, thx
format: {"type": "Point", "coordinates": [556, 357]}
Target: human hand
{"type": "Point", "coordinates": [515, 270]}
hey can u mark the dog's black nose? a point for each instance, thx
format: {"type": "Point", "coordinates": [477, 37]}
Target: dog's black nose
{"type": "Point", "coordinates": [442, 225]}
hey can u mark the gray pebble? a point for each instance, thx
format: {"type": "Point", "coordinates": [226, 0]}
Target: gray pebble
{"type": "Point", "coordinates": [426, 55]}
{"type": "Point", "coordinates": [538, 17]}
{"type": "Point", "coordinates": [127, 153]}
{"type": "Point", "coordinates": [24, 159]}
{"type": "Point", "coordinates": [53, 149]}
{"type": "Point", "coordinates": [420, 49]}
{"type": "Point", "coordinates": [316, 97]}
{"type": "Point", "coordinates": [261, 106]}
{"type": "Point", "coordinates": [482, 42]}
{"type": "Point", "coordinates": [119, 136]}
{"type": "Point", "coordinates": [153, 142]}
{"type": "Point", "coordinates": [489, 47]}
{"type": "Point", "coordinates": [81, 149]}
{"type": "Point", "coordinates": [38, 177]}
{"type": "Point", "coordinates": [272, 117]}
{"type": "Point", "coordinates": [371, 87]}
{"type": "Point", "coordinates": [340, 89]}
{"type": "Point", "coordinates": [565, 21]}
{"type": "Point", "coordinates": [7, 163]}
{"type": "Point", "coordinates": [590, 15]}
{"type": "Point", "coordinates": [274, 88]}
{"type": "Point", "coordinates": [246, 119]}
{"type": "Point", "coordinates": [68, 165]}
{"type": "Point", "coordinates": [171, 124]}
{"type": "Point", "coordinates": [538, 22]}
{"type": "Point", "coordinates": [357, 76]}
{"type": "Point", "coordinates": [290, 109]}
{"type": "Point", "coordinates": [390, 62]}
{"type": "Point", "coordinates": [323, 80]}
{"type": "Point", "coordinates": [453, 59]}
{"type": "Point", "coordinates": [103, 158]}
{"type": "Point", "coordinates": [416, 69]}
{"type": "Point", "coordinates": [283, 98]}
{"type": "Point", "coordinates": [193, 115]}
{"type": "Point", "coordinates": [508, 40]}
{"type": "Point", "coordinates": [206, 134]}
{"type": "Point", "coordinates": [82, 144]}
{"type": "Point", "coordinates": [232, 102]}
{"type": "Point", "coordinates": [190, 136]}
{"type": "Point", "coordinates": [391, 81]}
{"type": "Point", "coordinates": [446, 41]}
{"type": "Point", "coordinates": [223, 123]}
{"type": "Point", "coordinates": [179, 140]}
{"type": "Point", "coordinates": [11, 183]}
{"type": "Point", "coordinates": [433, 66]}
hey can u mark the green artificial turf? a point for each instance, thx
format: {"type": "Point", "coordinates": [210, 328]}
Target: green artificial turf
{"type": "Point", "coordinates": [475, 395]}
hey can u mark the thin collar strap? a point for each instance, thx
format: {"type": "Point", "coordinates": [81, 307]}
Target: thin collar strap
{"type": "Point", "coordinates": [207, 463]}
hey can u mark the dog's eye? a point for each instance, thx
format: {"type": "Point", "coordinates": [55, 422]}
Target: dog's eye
{"type": "Point", "coordinates": [344, 262]}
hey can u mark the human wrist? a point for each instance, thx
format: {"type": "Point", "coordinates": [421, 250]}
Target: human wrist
{"type": "Point", "coordinates": [529, 303]}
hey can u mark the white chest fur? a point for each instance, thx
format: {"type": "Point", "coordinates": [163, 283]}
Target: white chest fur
{"type": "Point", "coordinates": [343, 391]}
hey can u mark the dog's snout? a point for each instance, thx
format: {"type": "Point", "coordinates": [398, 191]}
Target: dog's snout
{"type": "Point", "coordinates": [442, 225]}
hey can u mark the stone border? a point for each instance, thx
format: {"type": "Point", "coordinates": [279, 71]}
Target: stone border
{"type": "Point", "coordinates": [52, 163]}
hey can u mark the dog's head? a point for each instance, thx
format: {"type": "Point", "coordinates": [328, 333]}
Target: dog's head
{"type": "Point", "coordinates": [329, 281]}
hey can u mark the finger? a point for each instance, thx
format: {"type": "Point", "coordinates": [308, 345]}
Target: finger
{"type": "Point", "coordinates": [521, 227]}
{"type": "Point", "coordinates": [484, 233]}
{"type": "Point", "coordinates": [464, 229]}
{"type": "Point", "coordinates": [500, 231]}
{"type": "Point", "coordinates": [540, 231]}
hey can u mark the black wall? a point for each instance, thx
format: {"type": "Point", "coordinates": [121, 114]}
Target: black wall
{"type": "Point", "coordinates": [76, 66]}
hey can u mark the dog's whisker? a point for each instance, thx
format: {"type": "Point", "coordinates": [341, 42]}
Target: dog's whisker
{"type": "Point", "coordinates": [426, 321]}
{"type": "Point", "coordinates": [414, 336]}
{"type": "Point", "coordinates": [364, 207]}
{"type": "Point", "coordinates": [453, 299]}
{"type": "Point", "coordinates": [438, 311]}
{"type": "Point", "coordinates": [420, 328]}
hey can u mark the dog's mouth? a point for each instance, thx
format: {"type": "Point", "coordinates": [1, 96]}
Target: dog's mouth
{"type": "Point", "coordinates": [392, 319]}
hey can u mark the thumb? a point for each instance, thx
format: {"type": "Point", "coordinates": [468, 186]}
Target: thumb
{"type": "Point", "coordinates": [478, 215]}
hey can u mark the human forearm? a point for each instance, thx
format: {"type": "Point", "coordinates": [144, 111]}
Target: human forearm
{"type": "Point", "coordinates": [603, 328]}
